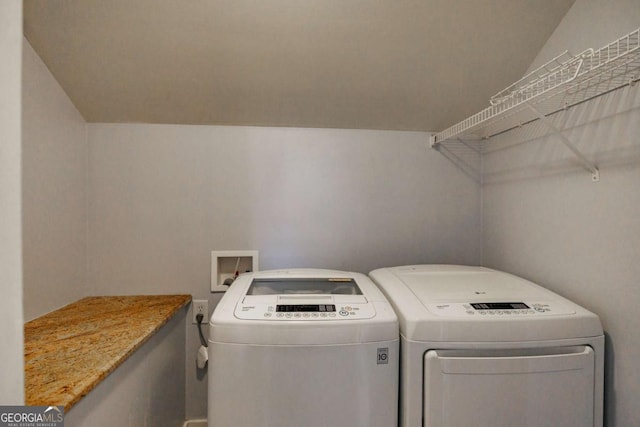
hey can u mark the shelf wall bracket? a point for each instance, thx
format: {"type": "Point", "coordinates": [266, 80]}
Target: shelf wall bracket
{"type": "Point", "coordinates": [586, 163]}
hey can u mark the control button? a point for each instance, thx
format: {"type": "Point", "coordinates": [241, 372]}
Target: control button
{"type": "Point", "coordinates": [348, 308]}
{"type": "Point", "coordinates": [344, 313]}
{"type": "Point", "coordinates": [470, 312]}
{"type": "Point", "coordinates": [332, 314]}
{"type": "Point", "coordinates": [315, 314]}
{"type": "Point", "coordinates": [267, 315]}
{"type": "Point", "coordinates": [297, 315]}
{"type": "Point", "coordinates": [289, 315]}
{"type": "Point", "coordinates": [491, 312]}
{"type": "Point", "coordinates": [483, 313]}
{"type": "Point", "coordinates": [279, 315]}
{"type": "Point", "coordinates": [305, 315]}
{"type": "Point", "coordinates": [323, 314]}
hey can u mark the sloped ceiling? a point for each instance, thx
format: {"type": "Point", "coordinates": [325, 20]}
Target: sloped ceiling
{"type": "Point", "coordinates": [361, 64]}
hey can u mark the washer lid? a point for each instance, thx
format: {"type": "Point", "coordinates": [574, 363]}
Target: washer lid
{"type": "Point", "coordinates": [476, 304]}
{"type": "Point", "coordinates": [303, 307]}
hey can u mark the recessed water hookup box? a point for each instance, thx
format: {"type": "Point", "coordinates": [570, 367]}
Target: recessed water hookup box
{"type": "Point", "coordinates": [228, 264]}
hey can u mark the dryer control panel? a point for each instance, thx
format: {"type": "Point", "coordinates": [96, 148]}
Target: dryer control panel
{"type": "Point", "coordinates": [501, 309]}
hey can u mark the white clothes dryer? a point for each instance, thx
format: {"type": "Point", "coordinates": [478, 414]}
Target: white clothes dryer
{"type": "Point", "coordinates": [485, 348]}
{"type": "Point", "coordinates": [300, 347]}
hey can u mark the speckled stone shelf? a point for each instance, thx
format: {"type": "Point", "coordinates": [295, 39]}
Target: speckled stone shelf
{"type": "Point", "coordinates": [70, 350]}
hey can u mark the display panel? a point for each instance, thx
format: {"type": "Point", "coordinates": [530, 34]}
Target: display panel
{"type": "Point", "coordinates": [321, 308]}
{"type": "Point", "coordinates": [499, 306]}
{"type": "Point", "coordinates": [306, 286]}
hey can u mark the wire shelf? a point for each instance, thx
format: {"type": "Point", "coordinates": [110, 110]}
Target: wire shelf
{"type": "Point", "coordinates": [561, 83]}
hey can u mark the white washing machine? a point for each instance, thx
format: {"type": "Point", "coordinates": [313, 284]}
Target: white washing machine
{"type": "Point", "coordinates": [485, 348]}
{"type": "Point", "coordinates": [306, 348]}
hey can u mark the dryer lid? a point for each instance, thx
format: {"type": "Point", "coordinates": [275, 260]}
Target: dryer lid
{"type": "Point", "coordinates": [467, 284]}
{"type": "Point", "coordinates": [476, 304]}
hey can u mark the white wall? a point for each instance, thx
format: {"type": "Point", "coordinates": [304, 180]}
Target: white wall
{"type": "Point", "coordinates": [164, 196]}
{"type": "Point", "coordinates": [54, 200]}
{"type": "Point", "coordinates": [544, 219]}
{"type": "Point", "coordinates": [11, 317]}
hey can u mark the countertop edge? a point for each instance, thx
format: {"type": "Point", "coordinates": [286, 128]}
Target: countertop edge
{"type": "Point", "coordinates": [100, 373]}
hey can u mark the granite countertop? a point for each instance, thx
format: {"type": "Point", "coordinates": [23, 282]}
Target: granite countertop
{"type": "Point", "coordinates": [70, 350]}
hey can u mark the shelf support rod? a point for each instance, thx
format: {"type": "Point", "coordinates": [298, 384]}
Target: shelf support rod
{"type": "Point", "coordinates": [595, 173]}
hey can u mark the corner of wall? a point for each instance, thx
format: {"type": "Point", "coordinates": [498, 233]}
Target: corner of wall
{"type": "Point", "coordinates": [11, 307]}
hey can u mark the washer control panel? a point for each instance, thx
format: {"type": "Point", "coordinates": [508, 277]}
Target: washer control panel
{"type": "Point", "coordinates": [306, 312]}
{"type": "Point", "coordinates": [304, 299]}
{"type": "Point", "coordinates": [501, 309]}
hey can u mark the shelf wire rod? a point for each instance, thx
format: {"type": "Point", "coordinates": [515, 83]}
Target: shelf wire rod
{"type": "Point", "coordinates": [595, 173]}
{"type": "Point", "coordinates": [464, 166]}
{"type": "Point", "coordinates": [469, 146]}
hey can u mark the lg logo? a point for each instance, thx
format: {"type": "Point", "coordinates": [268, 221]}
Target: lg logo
{"type": "Point", "coordinates": [383, 356]}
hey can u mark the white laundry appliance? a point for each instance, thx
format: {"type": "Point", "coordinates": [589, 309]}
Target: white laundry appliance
{"type": "Point", "coordinates": [303, 347]}
{"type": "Point", "coordinates": [481, 347]}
